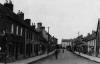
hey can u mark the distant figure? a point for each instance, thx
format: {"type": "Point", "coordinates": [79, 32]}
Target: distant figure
{"type": "Point", "coordinates": [63, 50]}
{"type": "Point", "coordinates": [56, 52]}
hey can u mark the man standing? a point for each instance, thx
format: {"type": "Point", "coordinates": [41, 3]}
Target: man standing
{"type": "Point", "coordinates": [56, 52]}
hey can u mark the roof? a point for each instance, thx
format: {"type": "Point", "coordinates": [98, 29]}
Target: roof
{"type": "Point", "coordinates": [90, 37]}
{"type": "Point", "coordinates": [66, 40]}
{"type": "Point", "coordinates": [13, 16]}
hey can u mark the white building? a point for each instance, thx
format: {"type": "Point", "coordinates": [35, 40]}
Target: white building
{"type": "Point", "coordinates": [66, 42]}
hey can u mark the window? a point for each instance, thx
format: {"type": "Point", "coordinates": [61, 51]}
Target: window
{"type": "Point", "coordinates": [21, 31]}
{"type": "Point", "coordinates": [31, 35]}
{"type": "Point", "coordinates": [17, 30]}
{"type": "Point", "coordinates": [12, 28]}
{"type": "Point", "coordinates": [25, 34]}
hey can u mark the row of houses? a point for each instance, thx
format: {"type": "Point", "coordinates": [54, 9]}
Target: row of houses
{"type": "Point", "coordinates": [90, 41]}
{"type": "Point", "coordinates": [19, 37]}
{"type": "Point", "coordinates": [89, 44]}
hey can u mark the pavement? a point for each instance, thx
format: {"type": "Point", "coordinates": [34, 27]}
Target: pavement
{"type": "Point", "coordinates": [29, 60]}
{"type": "Point", "coordinates": [93, 58]}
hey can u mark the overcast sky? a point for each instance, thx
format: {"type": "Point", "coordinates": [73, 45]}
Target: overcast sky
{"type": "Point", "coordinates": [64, 17]}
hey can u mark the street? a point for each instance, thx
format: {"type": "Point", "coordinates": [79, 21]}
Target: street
{"type": "Point", "coordinates": [65, 58]}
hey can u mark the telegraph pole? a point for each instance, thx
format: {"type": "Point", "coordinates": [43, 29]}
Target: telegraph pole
{"type": "Point", "coordinates": [48, 38]}
{"type": "Point", "coordinates": [48, 34]}
{"type": "Point", "coordinates": [78, 34]}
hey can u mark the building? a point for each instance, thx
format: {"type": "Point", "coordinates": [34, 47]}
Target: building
{"type": "Point", "coordinates": [18, 38]}
{"type": "Point", "coordinates": [90, 41]}
{"type": "Point", "coordinates": [98, 39]}
{"type": "Point", "coordinates": [18, 32]}
{"type": "Point", "coordinates": [49, 41]}
{"type": "Point", "coordinates": [66, 42]}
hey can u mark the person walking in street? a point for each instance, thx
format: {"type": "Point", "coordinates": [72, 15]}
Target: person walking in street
{"type": "Point", "coordinates": [56, 52]}
{"type": "Point", "coordinates": [63, 50]}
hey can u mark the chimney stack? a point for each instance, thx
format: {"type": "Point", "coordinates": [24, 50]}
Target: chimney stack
{"type": "Point", "coordinates": [9, 4]}
{"type": "Point", "coordinates": [28, 21]}
{"type": "Point", "coordinates": [20, 15]}
{"type": "Point", "coordinates": [39, 25]}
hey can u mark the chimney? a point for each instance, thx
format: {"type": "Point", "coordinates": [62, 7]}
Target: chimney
{"type": "Point", "coordinates": [93, 31]}
{"type": "Point", "coordinates": [43, 28]}
{"type": "Point", "coordinates": [28, 21]}
{"type": "Point", "coordinates": [9, 4]}
{"type": "Point", "coordinates": [20, 15]}
{"type": "Point", "coordinates": [33, 25]}
{"type": "Point", "coordinates": [39, 25]}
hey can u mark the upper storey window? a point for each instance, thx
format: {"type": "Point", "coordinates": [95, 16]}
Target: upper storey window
{"type": "Point", "coordinates": [12, 28]}
{"type": "Point", "coordinates": [21, 31]}
{"type": "Point", "coordinates": [17, 30]}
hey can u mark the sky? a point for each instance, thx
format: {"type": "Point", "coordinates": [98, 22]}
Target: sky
{"type": "Point", "coordinates": [64, 17]}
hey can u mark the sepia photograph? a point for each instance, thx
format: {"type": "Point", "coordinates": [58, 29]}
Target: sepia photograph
{"type": "Point", "coordinates": [49, 31]}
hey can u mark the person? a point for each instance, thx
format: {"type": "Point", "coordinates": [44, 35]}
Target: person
{"type": "Point", "coordinates": [63, 50]}
{"type": "Point", "coordinates": [56, 52]}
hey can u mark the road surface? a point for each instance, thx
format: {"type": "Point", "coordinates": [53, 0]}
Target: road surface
{"type": "Point", "coordinates": [65, 58]}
